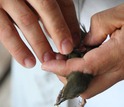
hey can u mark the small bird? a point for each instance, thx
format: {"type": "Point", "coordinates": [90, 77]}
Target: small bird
{"type": "Point", "coordinates": [77, 82]}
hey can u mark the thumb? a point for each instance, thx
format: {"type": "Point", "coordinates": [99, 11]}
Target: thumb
{"type": "Point", "coordinates": [94, 62]}
{"type": "Point", "coordinates": [104, 23]}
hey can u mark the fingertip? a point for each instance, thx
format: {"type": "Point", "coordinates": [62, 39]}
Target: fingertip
{"type": "Point", "coordinates": [29, 62]}
{"type": "Point", "coordinates": [66, 46]}
{"type": "Point", "coordinates": [55, 66]}
{"type": "Point", "coordinates": [48, 56]}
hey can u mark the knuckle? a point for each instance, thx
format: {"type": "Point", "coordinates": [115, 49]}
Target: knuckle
{"type": "Point", "coordinates": [96, 22]}
{"type": "Point", "coordinates": [37, 43]}
{"type": "Point", "coordinates": [6, 32]}
{"type": "Point", "coordinates": [61, 29]}
{"type": "Point", "coordinates": [46, 4]}
{"type": "Point", "coordinates": [27, 19]}
{"type": "Point", "coordinates": [96, 19]}
{"type": "Point", "coordinates": [17, 51]}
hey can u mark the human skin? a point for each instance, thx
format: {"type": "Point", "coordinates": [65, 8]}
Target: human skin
{"type": "Point", "coordinates": [58, 18]}
{"type": "Point", "coordinates": [105, 62]}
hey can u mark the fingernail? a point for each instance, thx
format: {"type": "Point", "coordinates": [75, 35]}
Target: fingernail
{"type": "Point", "coordinates": [48, 56]}
{"type": "Point", "coordinates": [30, 62]}
{"type": "Point", "coordinates": [67, 46]}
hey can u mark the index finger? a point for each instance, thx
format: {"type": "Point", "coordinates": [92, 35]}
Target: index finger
{"type": "Point", "coordinates": [55, 24]}
{"type": "Point", "coordinates": [94, 62]}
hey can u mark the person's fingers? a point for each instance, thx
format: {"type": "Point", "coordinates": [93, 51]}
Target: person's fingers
{"type": "Point", "coordinates": [104, 23]}
{"type": "Point", "coordinates": [94, 62]}
{"type": "Point", "coordinates": [97, 60]}
{"type": "Point", "coordinates": [11, 40]}
{"type": "Point", "coordinates": [69, 13]}
{"type": "Point", "coordinates": [101, 82]}
{"type": "Point", "coordinates": [63, 67]}
{"type": "Point", "coordinates": [55, 24]}
{"type": "Point", "coordinates": [28, 23]}
{"type": "Point", "coordinates": [105, 63]}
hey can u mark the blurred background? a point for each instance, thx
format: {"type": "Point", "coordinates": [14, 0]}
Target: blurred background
{"type": "Point", "coordinates": [5, 66]}
{"type": "Point", "coordinates": [36, 88]}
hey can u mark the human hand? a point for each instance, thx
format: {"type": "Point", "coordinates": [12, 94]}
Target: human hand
{"type": "Point", "coordinates": [106, 61]}
{"type": "Point", "coordinates": [57, 16]}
